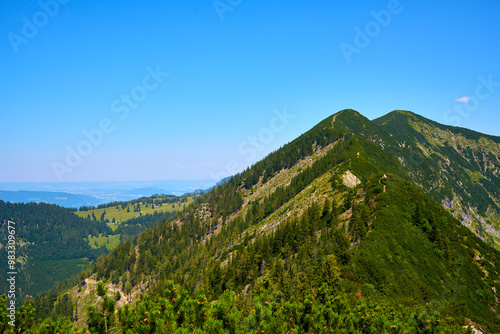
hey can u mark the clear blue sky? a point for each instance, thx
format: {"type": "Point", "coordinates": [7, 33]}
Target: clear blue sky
{"type": "Point", "coordinates": [74, 66]}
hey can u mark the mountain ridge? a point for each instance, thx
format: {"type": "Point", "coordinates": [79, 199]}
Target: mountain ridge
{"type": "Point", "coordinates": [454, 156]}
{"type": "Point", "coordinates": [398, 113]}
{"type": "Point", "coordinates": [335, 206]}
{"type": "Point", "coordinates": [423, 149]}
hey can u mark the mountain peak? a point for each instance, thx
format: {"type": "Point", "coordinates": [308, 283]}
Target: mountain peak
{"type": "Point", "coordinates": [349, 112]}
{"type": "Point", "coordinates": [403, 112]}
{"type": "Point", "coordinates": [345, 117]}
{"type": "Point", "coordinates": [400, 115]}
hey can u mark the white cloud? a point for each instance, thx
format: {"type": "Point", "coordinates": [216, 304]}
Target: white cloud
{"type": "Point", "coordinates": [463, 99]}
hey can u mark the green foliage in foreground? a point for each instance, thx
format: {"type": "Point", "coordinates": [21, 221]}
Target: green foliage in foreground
{"type": "Point", "coordinates": [181, 312]}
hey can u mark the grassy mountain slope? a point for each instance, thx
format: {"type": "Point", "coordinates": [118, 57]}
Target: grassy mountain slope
{"type": "Point", "coordinates": [458, 167]}
{"type": "Point", "coordinates": [118, 212]}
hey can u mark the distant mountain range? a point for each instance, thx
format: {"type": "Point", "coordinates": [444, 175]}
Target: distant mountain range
{"type": "Point", "coordinates": [59, 198]}
{"type": "Point", "coordinates": [76, 194]}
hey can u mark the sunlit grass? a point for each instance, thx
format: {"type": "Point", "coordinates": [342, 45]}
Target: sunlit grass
{"type": "Point", "coordinates": [128, 212]}
{"type": "Point", "coordinates": [110, 241]}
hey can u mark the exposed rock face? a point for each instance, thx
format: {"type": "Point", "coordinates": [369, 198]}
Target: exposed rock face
{"type": "Point", "coordinates": [350, 180]}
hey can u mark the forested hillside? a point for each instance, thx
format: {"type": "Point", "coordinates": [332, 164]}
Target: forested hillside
{"type": "Point", "coordinates": [50, 244]}
{"type": "Point", "coordinates": [54, 243]}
